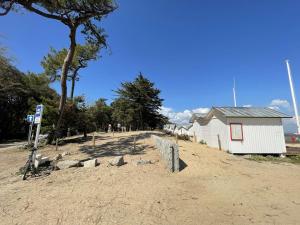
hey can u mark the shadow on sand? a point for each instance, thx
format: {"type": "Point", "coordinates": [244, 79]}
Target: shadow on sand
{"type": "Point", "coordinates": [118, 146]}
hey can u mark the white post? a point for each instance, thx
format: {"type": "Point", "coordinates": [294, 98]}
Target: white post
{"type": "Point", "coordinates": [293, 95]}
{"type": "Point", "coordinates": [37, 135]}
{"type": "Point", "coordinates": [38, 121]}
{"type": "Point", "coordinates": [234, 96]}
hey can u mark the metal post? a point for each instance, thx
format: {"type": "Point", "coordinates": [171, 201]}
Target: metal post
{"type": "Point", "coordinates": [293, 95]}
{"type": "Point", "coordinates": [29, 134]}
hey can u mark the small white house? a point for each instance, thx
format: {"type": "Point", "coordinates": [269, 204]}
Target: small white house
{"type": "Point", "coordinates": [241, 130]}
{"type": "Point", "coordinates": [169, 127]}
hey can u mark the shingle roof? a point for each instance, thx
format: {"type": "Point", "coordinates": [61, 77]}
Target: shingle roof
{"type": "Point", "coordinates": [254, 112]}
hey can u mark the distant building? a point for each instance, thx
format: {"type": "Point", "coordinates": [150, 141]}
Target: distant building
{"type": "Point", "coordinates": [241, 130]}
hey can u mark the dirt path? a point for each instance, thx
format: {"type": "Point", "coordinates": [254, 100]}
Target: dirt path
{"type": "Point", "coordinates": [213, 188]}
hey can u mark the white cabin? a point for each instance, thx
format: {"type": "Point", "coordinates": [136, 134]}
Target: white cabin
{"type": "Point", "coordinates": [241, 130]}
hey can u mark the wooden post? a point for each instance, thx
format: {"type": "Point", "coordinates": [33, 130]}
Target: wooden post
{"type": "Point", "coordinates": [195, 139]}
{"type": "Point", "coordinates": [134, 143]}
{"type": "Point", "coordinates": [113, 133]}
{"type": "Point", "coordinates": [94, 140]}
{"type": "Point", "coordinates": [176, 138]}
{"type": "Point", "coordinates": [56, 144]}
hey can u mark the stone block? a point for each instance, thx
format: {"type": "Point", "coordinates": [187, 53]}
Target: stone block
{"type": "Point", "coordinates": [117, 161]}
{"type": "Point", "coordinates": [90, 163]}
{"type": "Point", "coordinates": [67, 164]}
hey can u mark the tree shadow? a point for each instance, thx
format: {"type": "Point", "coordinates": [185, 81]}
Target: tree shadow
{"type": "Point", "coordinates": [79, 140]}
{"type": "Point", "coordinates": [122, 146]}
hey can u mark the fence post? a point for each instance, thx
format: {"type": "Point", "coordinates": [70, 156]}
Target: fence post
{"type": "Point", "coordinates": [56, 144]}
{"type": "Point", "coordinates": [134, 143]}
{"type": "Point", "coordinates": [94, 140]}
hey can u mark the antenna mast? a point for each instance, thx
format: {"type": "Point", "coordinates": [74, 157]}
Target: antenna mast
{"type": "Point", "coordinates": [293, 95]}
{"type": "Point", "coordinates": [234, 96]}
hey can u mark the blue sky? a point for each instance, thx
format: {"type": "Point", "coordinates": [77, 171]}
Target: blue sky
{"type": "Point", "coordinates": [190, 49]}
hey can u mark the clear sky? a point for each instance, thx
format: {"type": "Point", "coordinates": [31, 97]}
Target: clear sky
{"type": "Point", "coordinates": [190, 49]}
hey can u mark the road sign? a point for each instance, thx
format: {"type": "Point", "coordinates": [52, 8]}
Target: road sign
{"type": "Point", "coordinates": [30, 118]}
{"type": "Point", "coordinates": [38, 114]}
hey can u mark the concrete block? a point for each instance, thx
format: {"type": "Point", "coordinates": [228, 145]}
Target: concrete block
{"type": "Point", "coordinates": [90, 163]}
{"type": "Point", "coordinates": [40, 160]}
{"type": "Point", "coordinates": [67, 164]}
{"type": "Point", "coordinates": [117, 161]}
{"type": "Point", "coordinates": [169, 152]}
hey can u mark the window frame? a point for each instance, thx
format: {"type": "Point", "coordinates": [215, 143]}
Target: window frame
{"type": "Point", "coordinates": [236, 139]}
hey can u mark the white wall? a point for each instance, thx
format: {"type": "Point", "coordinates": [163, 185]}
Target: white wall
{"type": "Point", "coordinates": [215, 133]}
{"type": "Point", "coordinates": [261, 135]}
{"type": "Point", "coordinates": [198, 131]}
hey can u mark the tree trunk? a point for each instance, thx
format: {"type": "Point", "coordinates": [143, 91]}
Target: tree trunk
{"type": "Point", "coordinates": [64, 75]}
{"type": "Point", "coordinates": [73, 83]}
{"type": "Point", "coordinates": [72, 88]}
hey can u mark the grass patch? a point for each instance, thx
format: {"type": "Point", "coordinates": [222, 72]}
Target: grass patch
{"type": "Point", "coordinates": [275, 159]}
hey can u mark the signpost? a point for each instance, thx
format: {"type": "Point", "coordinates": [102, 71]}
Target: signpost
{"type": "Point", "coordinates": [38, 120]}
{"type": "Point", "coordinates": [30, 120]}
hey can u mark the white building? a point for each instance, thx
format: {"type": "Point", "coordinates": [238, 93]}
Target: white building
{"type": "Point", "coordinates": [170, 127]}
{"type": "Point", "coordinates": [241, 130]}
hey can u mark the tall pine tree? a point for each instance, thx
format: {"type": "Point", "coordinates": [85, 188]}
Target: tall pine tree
{"type": "Point", "coordinates": [138, 104]}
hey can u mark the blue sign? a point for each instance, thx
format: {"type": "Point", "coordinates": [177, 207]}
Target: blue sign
{"type": "Point", "coordinates": [30, 118]}
{"type": "Point", "coordinates": [38, 114]}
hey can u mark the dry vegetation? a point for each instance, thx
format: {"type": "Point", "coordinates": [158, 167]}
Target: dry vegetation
{"type": "Point", "coordinates": [213, 187]}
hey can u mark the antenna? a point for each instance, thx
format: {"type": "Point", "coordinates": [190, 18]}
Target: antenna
{"type": "Point", "coordinates": [234, 96]}
{"type": "Point", "coordinates": [293, 95]}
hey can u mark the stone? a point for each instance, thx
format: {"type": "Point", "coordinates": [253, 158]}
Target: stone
{"type": "Point", "coordinates": [117, 161]}
{"type": "Point", "coordinates": [58, 157]}
{"type": "Point", "coordinates": [65, 153]}
{"type": "Point", "coordinates": [90, 163]}
{"type": "Point", "coordinates": [246, 156]}
{"type": "Point", "coordinates": [39, 160]}
{"type": "Point", "coordinates": [67, 164]}
{"type": "Point", "coordinates": [143, 162]}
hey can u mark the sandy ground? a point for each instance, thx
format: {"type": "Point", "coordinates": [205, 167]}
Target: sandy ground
{"type": "Point", "coordinates": [213, 188]}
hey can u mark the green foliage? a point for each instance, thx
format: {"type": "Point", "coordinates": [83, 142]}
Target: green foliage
{"type": "Point", "coordinates": [53, 62]}
{"type": "Point", "coordinates": [138, 104]}
{"type": "Point", "coordinates": [77, 117]}
{"type": "Point", "coordinates": [295, 159]}
{"type": "Point", "coordinates": [101, 114]}
{"type": "Point", "coordinates": [19, 95]}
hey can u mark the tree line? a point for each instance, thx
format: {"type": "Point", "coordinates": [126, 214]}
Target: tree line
{"type": "Point", "coordinates": [135, 106]}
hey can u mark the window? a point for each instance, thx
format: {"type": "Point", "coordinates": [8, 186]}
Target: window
{"type": "Point", "coordinates": [236, 132]}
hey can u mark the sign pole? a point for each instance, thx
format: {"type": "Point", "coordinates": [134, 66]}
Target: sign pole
{"type": "Point", "coordinates": [38, 121]}
{"type": "Point", "coordinates": [29, 134]}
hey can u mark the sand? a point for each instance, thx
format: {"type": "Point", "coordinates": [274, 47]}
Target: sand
{"type": "Point", "coordinates": [214, 187]}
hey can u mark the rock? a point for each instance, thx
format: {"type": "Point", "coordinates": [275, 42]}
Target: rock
{"type": "Point", "coordinates": [39, 160]}
{"type": "Point", "coordinates": [117, 161]}
{"type": "Point", "coordinates": [65, 153]}
{"type": "Point", "coordinates": [67, 164]}
{"type": "Point", "coordinates": [246, 156]}
{"type": "Point", "coordinates": [58, 157]}
{"type": "Point", "coordinates": [143, 162]}
{"type": "Point", "coordinates": [90, 163]}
